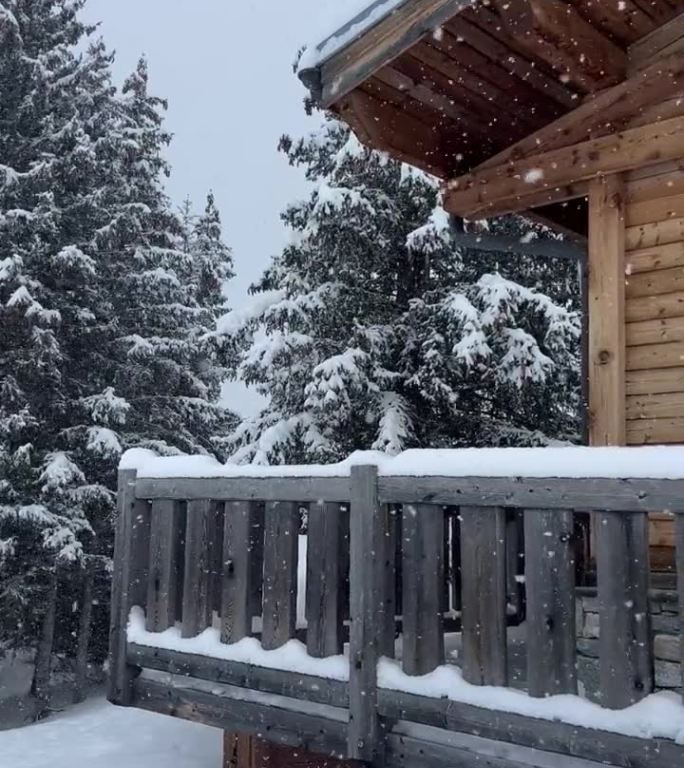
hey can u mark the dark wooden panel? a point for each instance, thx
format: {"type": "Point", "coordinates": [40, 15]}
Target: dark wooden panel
{"type": "Point", "coordinates": [367, 575]}
{"type": "Point", "coordinates": [127, 572]}
{"type": "Point", "coordinates": [216, 554]}
{"type": "Point", "coordinates": [139, 553]}
{"type": "Point", "coordinates": [237, 572]}
{"type": "Point", "coordinates": [625, 640]}
{"type": "Point", "coordinates": [162, 588]}
{"type": "Point", "coordinates": [257, 545]}
{"type": "Point", "coordinates": [324, 579]}
{"type": "Point", "coordinates": [550, 583]}
{"type": "Point", "coordinates": [423, 583]}
{"type": "Point", "coordinates": [483, 574]}
{"type": "Point", "coordinates": [197, 577]}
{"type": "Point", "coordinates": [538, 493]}
{"type": "Point", "coordinates": [281, 555]}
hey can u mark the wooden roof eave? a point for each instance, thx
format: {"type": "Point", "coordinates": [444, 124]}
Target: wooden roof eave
{"type": "Point", "coordinates": [393, 34]}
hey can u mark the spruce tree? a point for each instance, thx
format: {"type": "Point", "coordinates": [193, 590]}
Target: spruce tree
{"type": "Point", "coordinates": [372, 329]}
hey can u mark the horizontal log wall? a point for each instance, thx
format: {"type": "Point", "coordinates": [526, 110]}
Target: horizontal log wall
{"type": "Point", "coordinates": [654, 312]}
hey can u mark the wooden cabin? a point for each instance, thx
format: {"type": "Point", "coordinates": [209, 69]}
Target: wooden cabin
{"type": "Point", "coordinates": [568, 111]}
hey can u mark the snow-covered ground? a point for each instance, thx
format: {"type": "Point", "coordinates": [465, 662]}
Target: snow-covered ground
{"type": "Point", "coordinates": [98, 735]}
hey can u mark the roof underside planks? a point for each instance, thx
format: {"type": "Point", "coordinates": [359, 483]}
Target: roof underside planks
{"type": "Point", "coordinates": [449, 85]}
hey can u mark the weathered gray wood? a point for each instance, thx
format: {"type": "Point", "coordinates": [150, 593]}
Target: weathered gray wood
{"type": "Point", "coordinates": [483, 562]}
{"type": "Point", "coordinates": [550, 582]}
{"type": "Point", "coordinates": [423, 582]}
{"type": "Point", "coordinates": [602, 747]}
{"type": "Point", "coordinates": [680, 586]}
{"type": "Point", "coordinates": [324, 587]}
{"type": "Point", "coordinates": [237, 572]}
{"type": "Point", "coordinates": [298, 489]}
{"type": "Point", "coordinates": [526, 493]}
{"type": "Point", "coordinates": [560, 738]}
{"type": "Point", "coordinates": [197, 581]}
{"type": "Point", "coordinates": [126, 577]}
{"type": "Point", "coordinates": [367, 580]}
{"type": "Point", "coordinates": [281, 553]}
{"type": "Point", "coordinates": [162, 589]}
{"type": "Point", "coordinates": [181, 530]}
{"type": "Point", "coordinates": [626, 654]}
{"type": "Point", "coordinates": [323, 731]}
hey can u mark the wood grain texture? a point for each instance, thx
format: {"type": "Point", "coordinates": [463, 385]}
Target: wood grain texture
{"type": "Point", "coordinates": [607, 311]}
{"type": "Point", "coordinates": [162, 590]}
{"type": "Point", "coordinates": [423, 584]}
{"type": "Point", "coordinates": [197, 608]}
{"type": "Point", "coordinates": [483, 574]}
{"type": "Point", "coordinates": [550, 585]}
{"type": "Point", "coordinates": [680, 586]}
{"type": "Point", "coordinates": [325, 579]}
{"type": "Point", "coordinates": [237, 572]}
{"type": "Point", "coordinates": [626, 654]}
{"type": "Point", "coordinates": [367, 578]}
{"type": "Point", "coordinates": [281, 556]}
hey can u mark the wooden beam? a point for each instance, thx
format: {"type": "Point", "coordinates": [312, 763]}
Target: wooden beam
{"type": "Point", "coordinates": [661, 41]}
{"type": "Point", "coordinates": [607, 311]}
{"type": "Point", "coordinates": [516, 186]}
{"type": "Point", "coordinates": [390, 37]}
{"type": "Point", "coordinates": [556, 33]}
{"type": "Point", "coordinates": [604, 113]}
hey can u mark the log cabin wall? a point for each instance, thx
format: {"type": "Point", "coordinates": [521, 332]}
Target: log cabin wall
{"type": "Point", "coordinates": [654, 315]}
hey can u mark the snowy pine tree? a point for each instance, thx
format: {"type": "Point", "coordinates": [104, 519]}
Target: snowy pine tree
{"type": "Point", "coordinates": [373, 330]}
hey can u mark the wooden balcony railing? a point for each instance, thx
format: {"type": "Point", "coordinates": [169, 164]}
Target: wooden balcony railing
{"type": "Point", "coordinates": [393, 558]}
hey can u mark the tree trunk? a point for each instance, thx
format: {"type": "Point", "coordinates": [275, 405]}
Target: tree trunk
{"type": "Point", "coordinates": [40, 688]}
{"type": "Point", "coordinates": [80, 687]}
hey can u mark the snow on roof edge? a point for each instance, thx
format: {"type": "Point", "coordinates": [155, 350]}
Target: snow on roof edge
{"type": "Point", "coordinates": [639, 463]}
{"type": "Point", "coordinates": [340, 37]}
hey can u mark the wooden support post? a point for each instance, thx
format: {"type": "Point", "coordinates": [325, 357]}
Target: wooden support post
{"type": "Point", "coordinates": [128, 583]}
{"type": "Point", "coordinates": [197, 581]}
{"type": "Point", "coordinates": [162, 589]}
{"type": "Point", "coordinates": [483, 573]}
{"type": "Point", "coordinates": [281, 555]}
{"type": "Point", "coordinates": [324, 580]}
{"type": "Point", "coordinates": [236, 603]}
{"type": "Point", "coordinates": [388, 612]}
{"type": "Point", "coordinates": [607, 349]}
{"type": "Point", "coordinates": [367, 575]}
{"type": "Point", "coordinates": [256, 540]}
{"type": "Point", "coordinates": [550, 582]}
{"type": "Point", "coordinates": [216, 521]}
{"type": "Point", "coordinates": [626, 654]}
{"type": "Point", "coordinates": [423, 583]}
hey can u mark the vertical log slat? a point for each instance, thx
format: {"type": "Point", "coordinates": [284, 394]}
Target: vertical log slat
{"type": "Point", "coordinates": [324, 577]}
{"type": "Point", "coordinates": [197, 578]}
{"type": "Point", "coordinates": [237, 572]}
{"type": "Point", "coordinates": [367, 577]}
{"type": "Point", "coordinates": [483, 573]}
{"type": "Point", "coordinates": [257, 550]}
{"type": "Point", "coordinates": [387, 627]}
{"type": "Point", "coordinates": [128, 582]}
{"type": "Point", "coordinates": [281, 554]}
{"type": "Point", "coordinates": [423, 583]}
{"type": "Point", "coordinates": [550, 582]}
{"type": "Point", "coordinates": [626, 654]}
{"type": "Point", "coordinates": [162, 583]}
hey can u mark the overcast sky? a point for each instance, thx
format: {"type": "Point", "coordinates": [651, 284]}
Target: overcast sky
{"type": "Point", "coordinates": [225, 67]}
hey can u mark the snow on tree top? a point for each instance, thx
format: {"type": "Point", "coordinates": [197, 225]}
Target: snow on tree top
{"type": "Point", "coordinates": [645, 462]}
{"type": "Point", "coordinates": [342, 24]}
